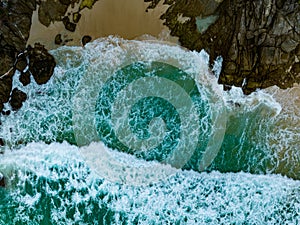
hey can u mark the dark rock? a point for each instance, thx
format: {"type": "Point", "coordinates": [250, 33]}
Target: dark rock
{"type": "Point", "coordinates": [2, 180]}
{"type": "Point", "coordinates": [25, 78]}
{"type": "Point", "coordinates": [17, 98]}
{"type": "Point", "coordinates": [65, 2]}
{"type": "Point", "coordinates": [69, 25]}
{"type": "Point", "coordinates": [227, 87]}
{"type": "Point", "coordinates": [7, 58]}
{"type": "Point", "coordinates": [58, 39]}
{"type": "Point", "coordinates": [258, 39]}
{"type": "Point", "coordinates": [15, 22]}
{"type": "Point", "coordinates": [5, 88]}
{"type": "Point", "coordinates": [1, 142]}
{"type": "Point", "coordinates": [51, 11]}
{"type": "Point", "coordinates": [69, 2]}
{"type": "Point", "coordinates": [21, 63]}
{"type": "Point", "coordinates": [86, 39]}
{"type": "Point", "coordinates": [6, 113]}
{"type": "Point", "coordinates": [1, 106]}
{"type": "Point", "coordinates": [41, 63]}
{"type": "Point", "coordinates": [296, 68]}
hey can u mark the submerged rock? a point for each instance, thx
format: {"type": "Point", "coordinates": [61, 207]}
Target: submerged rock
{"type": "Point", "coordinates": [1, 142]}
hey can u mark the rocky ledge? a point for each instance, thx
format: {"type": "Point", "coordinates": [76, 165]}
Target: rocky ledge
{"type": "Point", "coordinates": [259, 40]}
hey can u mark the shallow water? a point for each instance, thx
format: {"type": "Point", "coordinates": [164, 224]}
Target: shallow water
{"type": "Point", "coordinates": [139, 132]}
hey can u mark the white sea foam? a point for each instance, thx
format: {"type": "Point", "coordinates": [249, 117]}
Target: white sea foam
{"type": "Point", "coordinates": [186, 197]}
{"type": "Point", "coordinates": [271, 122]}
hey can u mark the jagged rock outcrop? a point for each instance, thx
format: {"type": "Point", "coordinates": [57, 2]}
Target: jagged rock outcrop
{"type": "Point", "coordinates": [41, 63]}
{"type": "Point", "coordinates": [258, 39]}
{"type": "Point", "coordinates": [17, 98]}
{"type": "Point", "coordinates": [15, 22]}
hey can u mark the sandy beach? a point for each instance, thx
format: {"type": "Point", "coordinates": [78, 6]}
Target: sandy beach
{"type": "Point", "coordinates": [127, 19]}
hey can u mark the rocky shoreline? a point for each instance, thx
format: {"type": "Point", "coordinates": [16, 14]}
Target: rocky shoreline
{"type": "Point", "coordinates": [15, 22]}
{"type": "Point", "coordinates": [258, 40]}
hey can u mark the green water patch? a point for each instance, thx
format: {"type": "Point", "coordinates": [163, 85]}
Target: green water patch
{"type": "Point", "coordinates": [245, 146]}
{"type": "Point", "coordinates": [148, 108]}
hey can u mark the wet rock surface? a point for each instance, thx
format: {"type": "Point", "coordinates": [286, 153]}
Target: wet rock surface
{"type": "Point", "coordinates": [17, 99]}
{"type": "Point", "coordinates": [258, 40]}
{"type": "Point", "coordinates": [2, 180]}
{"type": "Point", "coordinates": [41, 63]}
{"type": "Point", "coordinates": [5, 88]}
{"type": "Point", "coordinates": [15, 22]}
{"type": "Point", "coordinates": [86, 39]}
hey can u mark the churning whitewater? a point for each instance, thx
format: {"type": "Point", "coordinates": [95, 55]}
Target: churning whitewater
{"type": "Point", "coordinates": [139, 132]}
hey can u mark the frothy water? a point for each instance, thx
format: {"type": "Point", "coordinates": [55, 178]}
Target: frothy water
{"type": "Point", "coordinates": [55, 186]}
{"type": "Point", "coordinates": [123, 131]}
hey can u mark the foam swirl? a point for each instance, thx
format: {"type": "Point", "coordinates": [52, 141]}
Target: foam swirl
{"type": "Point", "coordinates": [152, 100]}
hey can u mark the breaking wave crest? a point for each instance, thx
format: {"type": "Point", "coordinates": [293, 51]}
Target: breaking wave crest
{"type": "Point", "coordinates": [122, 130]}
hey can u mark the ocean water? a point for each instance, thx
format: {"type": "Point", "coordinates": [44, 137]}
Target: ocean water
{"type": "Point", "coordinates": [139, 132]}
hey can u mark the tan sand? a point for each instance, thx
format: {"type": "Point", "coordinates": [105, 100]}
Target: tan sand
{"type": "Point", "coordinates": [125, 18]}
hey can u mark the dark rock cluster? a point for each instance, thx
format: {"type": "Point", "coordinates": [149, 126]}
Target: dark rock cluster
{"type": "Point", "coordinates": [15, 23]}
{"type": "Point", "coordinates": [51, 11]}
{"type": "Point", "coordinates": [259, 40]}
{"type": "Point", "coordinates": [34, 61]}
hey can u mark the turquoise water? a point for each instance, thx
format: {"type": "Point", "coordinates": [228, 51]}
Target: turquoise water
{"type": "Point", "coordinates": [139, 132]}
